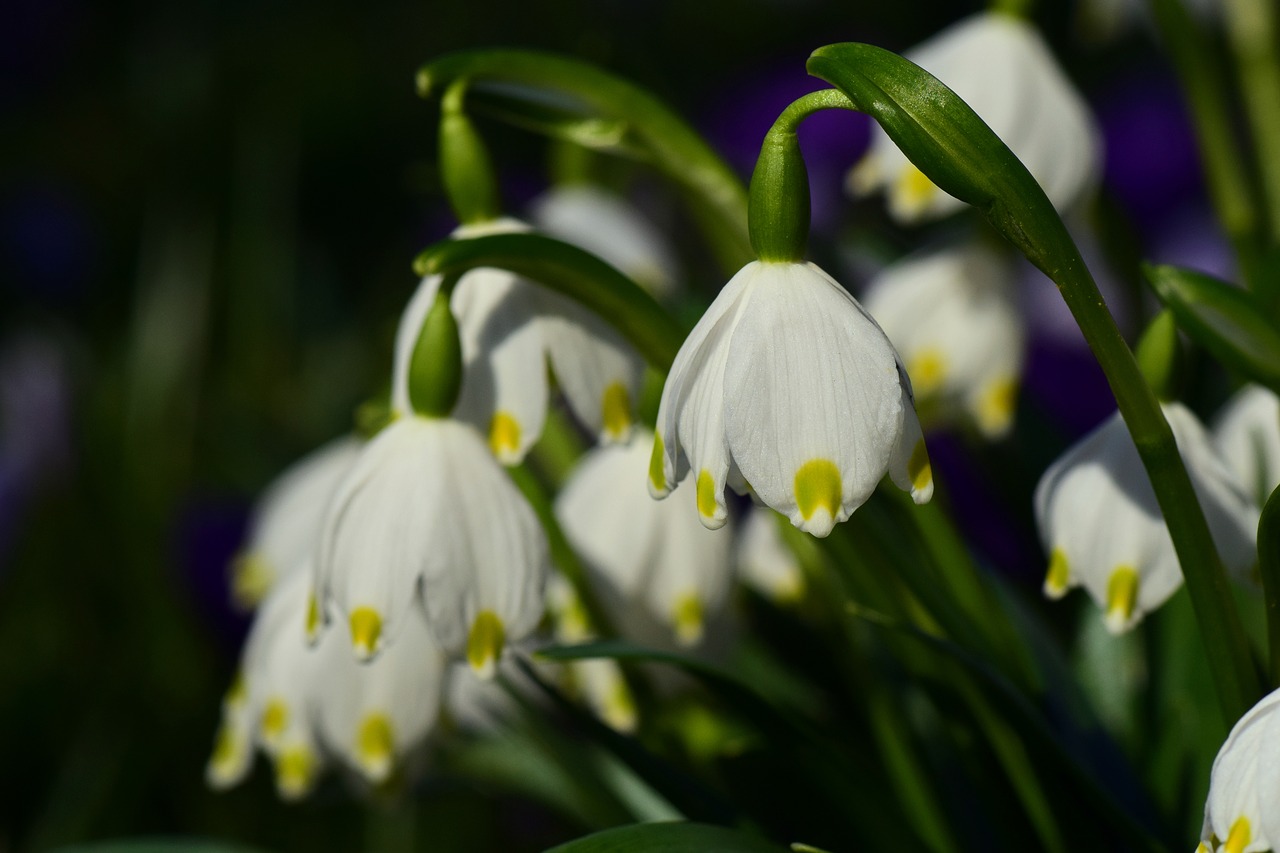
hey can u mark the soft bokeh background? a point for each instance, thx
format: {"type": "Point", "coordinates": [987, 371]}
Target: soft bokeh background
{"type": "Point", "coordinates": [207, 214]}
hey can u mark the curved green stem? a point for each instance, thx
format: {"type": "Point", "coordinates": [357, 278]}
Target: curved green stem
{"type": "Point", "coordinates": [955, 149]}
{"type": "Point", "coordinates": [1269, 568]}
{"type": "Point", "coordinates": [577, 87]}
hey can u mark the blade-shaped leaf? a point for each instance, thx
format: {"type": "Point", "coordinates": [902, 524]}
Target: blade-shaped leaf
{"type": "Point", "coordinates": [669, 838]}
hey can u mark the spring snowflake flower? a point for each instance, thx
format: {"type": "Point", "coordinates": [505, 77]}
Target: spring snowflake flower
{"type": "Point", "coordinates": [953, 317]}
{"type": "Point", "coordinates": [1102, 527]}
{"type": "Point", "coordinates": [1002, 68]}
{"type": "Point", "coordinates": [1240, 815]}
{"type": "Point", "coordinates": [788, 387]}
{"type": "Point", "coordinates": [604, 224]}
{"type": "Point", "coordinates": [427, 519]}
{"type": "Point", "coordinates": [510, 329]}
{"type": "Point", "coordinates": [287, 518]}
{"type": "Point", "coordinates": [656, 568]}
{"type": "Point", "coordinates": [1246, 434]}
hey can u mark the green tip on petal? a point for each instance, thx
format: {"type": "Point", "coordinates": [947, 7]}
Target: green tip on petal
{"type": "Point", "coordinates": [1058, 579]}
{"type": "Point", "coordinates": [230, 749]}
{"type": "Point", "coordinates": [708, 506]}
{"type": "Point", "coordinates": [615, 412]}
{"type": "Point", "coordinates": [375, 746]}
{"type": "Point", "coordinates": [688, 620]}
{"type": "Point", "coordinates": [1238, 838]}
{"type": "Point", "coordinates": [1122, 598]}
{"type": "Point", "coordinates": [366, 631]}
{"type": "Point", "coordinates": [251, 578]}
{"type": "Point", "coordinates": [504, 437]}
{"type": "Point", "coordinates": [274, 720]}
{"type": "Point", "coordinates": [819, 490]}
{"type": "Point", "coordinates": [485, 643]}
{"type": "Point", "coordinates": [657, 468]}
{"type": "Point", "coordinates": [295, 772]}
{"type": "Point", "coordinates": [921, 473]}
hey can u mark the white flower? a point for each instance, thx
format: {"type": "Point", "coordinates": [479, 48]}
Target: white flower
{"type": "Point", "coordinates": [599, 681]}
{"type": "Point", "coordinates": [1101, 525]}
{"type": "Point", "coordinates": [427, 518]}
{"type": "Point", "coordinates": [1240, 815]}
{"type": "Point", "coordinates": [765, 563]}
{"type": "Point", "coordinates": [604, 224]}
{"type": "Point", "coordinates": [510, 328]}
{"type": "Point", "coordinates": [656, 569]}
{"type": "Point", "coordinates": [788, 387]}
{"type": "Point", "coordinates": [953, 317]}
{"type": "Point", "coordinates": [1002, 68]}
{"type": "Point", "coordinates": [286, 521]}
{"type": "Point", "coordinates": [1246, 433]}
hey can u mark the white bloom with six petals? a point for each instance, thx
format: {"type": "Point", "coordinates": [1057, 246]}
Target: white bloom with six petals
{"type": "Point", "coordinates": [788, 387]}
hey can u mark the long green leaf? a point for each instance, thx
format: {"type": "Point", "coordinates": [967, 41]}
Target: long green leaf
{"type": "Point", "coordinates": [669, 838]}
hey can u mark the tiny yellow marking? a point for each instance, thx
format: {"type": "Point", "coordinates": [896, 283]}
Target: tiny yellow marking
{"type": "Point", "coordinates": [615, 410]}
{"type": "Point", "coordinates": [619, 708]}
{"type": "Point", "coordinates": [818, 485]}
{"type": "Point", "coordinates": [1203, 848]}
{"type": "Point", "coordinates": [1239, 836]}
{"type": "Point", "coordinates": [295, 770]}
{"type": "Point", "coordinates": [1058, 579]}
{"type": "Point", "coordinates": [237, 693]}
{"type": "Point", "coordinates": [366, 631]}
{"type": "Point", "coordinates": [927, 369]}
{"type": "Point", "coordinates": [504, 435]}
{"type": "Point", "coordinates": [995, 407]}
{"type": "Point", "coordinates": [657, 465]}
{"type": "Point", "coordinates": [251, 578]}
{"type": "Point", "coordinates": [687, 616]}
{"type": "Point", "coordinates": [313, 617]}
{"type": "Point", "coordinates": [1122, 597]}
{"type": "Point", "coordinates": [706, 494]}
{"type": "Point", "coordinates": [375, 745]}
{"type": "Point", "coordinates": [918, 467]}
{"type": "Point", "coordinates": [274, 719]}
{"type": "Point", "coordinates": [485, 643]}
{"type": "Point", "coordinates": [912, 191]}
{"type": "Point", "coordinates": [228, 749]}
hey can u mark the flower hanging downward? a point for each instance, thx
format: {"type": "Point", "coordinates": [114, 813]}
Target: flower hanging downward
{"type": "Point", "coordinates": [788, 387]}
{"type": "Point", "coordinates": [1240, 815]}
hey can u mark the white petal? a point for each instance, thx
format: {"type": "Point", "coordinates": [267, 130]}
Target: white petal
{"type": "Point", "coordinates": [764, 560]}
{"type": "Point", "coordinates": [1246, 433]}
{"type": "Point", "coordinates": [1244, 771]}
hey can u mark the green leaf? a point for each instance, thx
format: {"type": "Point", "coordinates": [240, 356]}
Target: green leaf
{"type": "Point", "coordinates": [573, 272]}
{"type": "Point", "coordinates": [1222, 318]}
{"type": "Point", "coordinates": [160, 845]}
{"type": "Point", "coordinates": [669, 838]}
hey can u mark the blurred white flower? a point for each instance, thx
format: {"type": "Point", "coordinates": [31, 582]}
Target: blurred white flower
{"type": "Point", "coordinates": [604, 224]}
{"type": "Point", "coordinates": [1246, 433]}
{"type": "Point", "coordinates": [765, 563]}
{"type": "Point", "coordinates": [287, 518]}
{"type": "Point", "coordinates": [1240, 815]}
{"type": "Point", "coordinates": [510, 328]}
{"type": "Point", "coordinates": [657, 570]}
{"type": "Point", "coordinates": [954, 319]}
{"type": "Point", "coordinates": [788, 387]}
{"type": "Point", "coordinates": [1102, 527]}
{"type": "Point", "coordinates": [598, 681]}
{"type": "Point", "coordinates": [1002, 68]}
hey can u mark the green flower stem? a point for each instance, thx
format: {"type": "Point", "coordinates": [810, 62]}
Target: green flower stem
{"type": "Point", "coordinates": [465, 167]}
{"type": "Point", "coordinates": [1205, 85]}
{"type": "Point", "coordinates": [673, 146]}
{"type": "Point", "coordinates": [955, 149]}
{"type": "Point", "coordinates": [1269, 568]}
{"type": "Point", "coordinates": [1252, 30]}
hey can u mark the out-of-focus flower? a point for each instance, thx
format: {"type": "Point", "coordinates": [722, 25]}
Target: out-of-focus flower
{"type": "Point", "coordinates": [286, 522]}
{"type": "Point", "coordinates": [510, 329]}
{"type": "Point", "coordinates": [426, 518]}
{"type": "Point", "coordinates": [1246, 433]}
{"type": "Point", "coordinates": [1240, 814]}
{"type": "Point", "coordinates": [1102, 527]}
{"type": "Point", "coordinates": [604, 224]}
{"type": "Point", "coordinates": [788, 387]}
{"type": "Point", "coordinates": [953, 317]}
{"type": "Point", "coordinates": [657, 570]}
{"type": "Point", "coordinates": [598, 681]}
{"type": "Point", "coordinates": [765, 563]}
{"type": "Point", "coordinates": [1003, 69]}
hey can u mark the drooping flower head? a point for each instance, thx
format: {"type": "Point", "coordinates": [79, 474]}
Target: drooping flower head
{"type": "Point", "coordinates": [1102, 526]}
{"type": "Point", "coordinates": [788, 387]}
{"type": "Point", "coordinates": [1246, 434]}
{"type": "Point", "coordinates": [1240, 814]}
{"type": "Point", "coordinates": [1002, 68]}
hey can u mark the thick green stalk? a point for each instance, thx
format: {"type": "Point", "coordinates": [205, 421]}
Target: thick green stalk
{"type": "Point", "coordinates": [1251, 28]}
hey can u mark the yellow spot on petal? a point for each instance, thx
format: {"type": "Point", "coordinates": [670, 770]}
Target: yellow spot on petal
{"type": "Point", "coordinates": [818, 486]}
{"type": "Point", "coordinates": [927, 368]}
{"type": "Point", "coordinates": [657, 466]}
{"type": "Point", "coordinates": [1203, 848]}
{"type": "Point", "coordinates": [504, 435]}
{"type": "Point", "coordinates": [687, 618]}
{"type": "Point", "coordinates": [251, 578]}
{"type": "Point", "coordinates": [313, 617]}
{"type": "Point", "coordinates": [919, 469]}
{"type": "Point", "coordinates": [366, 631]}
{"type": "Point", "coordinates": [1239, 837]}
{"type": "Point", "coordinates": [375, 745]}
{"type": "Point", "coordinates": [228, 755]}
{"type": "Point", "coordinates": [1058, 579]}
{"type": "Point", "coordinates": [616, 411]}
{"type": "Point", "coordinates": [237, 693]}
{"type": "Point", "coordinates": [1122, 597]}
{"type": "Point", "coordinates": [295, 772]}
{"type": "Point", "coordinates": [619, 709]}
{"type": "Point", "coordinates": [994, 412]}
{"type": "Point", "coordinates": [912, 192]}
{"type": "Point", "coordinates": [706, 494]}
{"type": "Point", "coordinates": [485, 642]}
{"type": "Point", "coordinates": [274, 719]}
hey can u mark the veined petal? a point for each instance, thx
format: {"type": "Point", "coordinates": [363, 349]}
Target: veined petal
{"type": "Point", "coordinates": [910, 469]}
{"type": "Point", "coordinates": [812, 396]}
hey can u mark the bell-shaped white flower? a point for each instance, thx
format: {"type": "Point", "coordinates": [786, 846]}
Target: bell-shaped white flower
{"type": "Point", "coordinates": [652, 563]}
{"type": "Point", "coordinates": [1240, 815]}
{"type": "Point", "coordinates": [427, 518]}
{"type": "Point", "coordinates": [604, 224]}
{"type": "Point", "coordinates": [1103, 529]}
{"type": "Point", "coordinates": [286, 521]}
{"type": "Point", "coordinates": [1002, 68]}
{"type": "Point", "coordinates": [953, 317]}
{"type": "Point", "coordinates": [1246, 433]}
{"type": "Point", "coordinates": [765, 563]}
{"type": "Point", "coordinates": [599, 681]}
{"type": "Point", "coordinates": [510, 329]}
{"type": "Point", "coordinates": [788, 387]}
